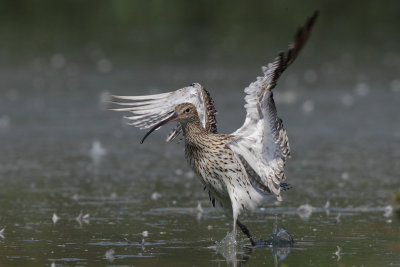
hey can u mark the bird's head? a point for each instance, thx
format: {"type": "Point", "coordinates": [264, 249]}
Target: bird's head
{"type": "Point", "coordinates": [184, 113]}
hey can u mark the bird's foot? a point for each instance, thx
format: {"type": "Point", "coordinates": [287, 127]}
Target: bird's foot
{"type": "Point", "coordinates": [280, 239]}
{"type": "Point", "coordinates": [228, 241]}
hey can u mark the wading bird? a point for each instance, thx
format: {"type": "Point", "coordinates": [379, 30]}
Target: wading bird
{"type": "Point", "coordinates": [238, 170]}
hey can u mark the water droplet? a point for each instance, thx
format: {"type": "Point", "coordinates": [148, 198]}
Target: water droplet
{"type": "Point", "coordinates": [388, 211]}
{"type": "Point", "coordinates": [337, 219]}
{"type": "Point", "coordinates": [97, 151]}
{"type": "Point", "coordinates": [178, 172]}
{"type": "Point", "coordinates": [55, 218]}
{"type": "Point", "coordinates": [199, 207]}
{"type": "Point", "coordinates": [337, 253]}
{"type": "Point", "coordinates": [287, 98]}
{"type": "Point", "coordinates": [345, 176]}
{"type": "Point", "coordinates": [305, 211]}
{"type": "Point", "coordinates": [145, 233]}
{"type": "Point", "coordinates": [109, 255]}
{"type": "Point", "coordinates": [155, 196]}
{"type": "Point", "coordinates": [308, 106]}
{"type": "Point", "coordinates": [362, 89]}
{"type": "Point", "coordinates": [347, 100]}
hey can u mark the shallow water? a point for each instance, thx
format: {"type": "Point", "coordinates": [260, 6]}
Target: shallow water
{"type": "Point", "coordinates": [64, 154]}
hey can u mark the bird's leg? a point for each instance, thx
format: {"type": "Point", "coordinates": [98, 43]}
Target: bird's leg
{"type": "Point", "coordinates": [246, 232]}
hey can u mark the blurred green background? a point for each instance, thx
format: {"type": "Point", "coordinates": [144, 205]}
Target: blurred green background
{"type": "Point", "coordinates": [194, 31]}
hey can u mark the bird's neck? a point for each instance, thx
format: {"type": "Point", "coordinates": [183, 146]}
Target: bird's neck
{"type": "Point", "coordinates": [194, 132]}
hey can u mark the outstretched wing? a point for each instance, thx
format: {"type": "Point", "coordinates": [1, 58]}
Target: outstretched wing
{"type": "Point", "coordinates": [148, 110]}
{"type": "Point", "coordinates": [261, 142]}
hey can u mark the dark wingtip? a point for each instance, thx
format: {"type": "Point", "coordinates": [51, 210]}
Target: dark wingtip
{"type": "Point", "coordinates": [313, 18]}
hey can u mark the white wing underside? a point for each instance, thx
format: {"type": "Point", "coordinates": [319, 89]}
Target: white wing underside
{"type": "Point", "coordinates": [148, 110]}
{"type": "Point", "coordinates": [262, 141]}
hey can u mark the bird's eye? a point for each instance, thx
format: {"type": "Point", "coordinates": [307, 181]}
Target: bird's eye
{"type": "Point", "coordinates": [187, 110]}
{"type": "Point", "coordinates": [192, 84]}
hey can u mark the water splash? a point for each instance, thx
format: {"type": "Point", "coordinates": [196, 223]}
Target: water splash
{"type": "Point", "coordinates": [305, 211]}
{"type": "Point", "coordinates": [228, 248]}
{"type": "Point", "coordinates": [55, 218]}
{"type": "Point", "coordinates": [388, 211]}
{"type": "Point", "coordinates": [228, 241]}
{"type": "Point", "coordinates": [109, 255]}
{"type": "Point", "coordinates": [279, 237]}
{"type": "Point", "coordinates": [200, 211]}
{"type": "Point", "coordinates": [145, 233]}
{"type": "Point", "coordinates": [326, 207]}
{"type": "Point", "coordinates": [156, 196]}
{"type": "Point", "coordinates": [337, 218]}
{"type": "Point", "coordinates": [97, 152]}
{"type": "Point", "coordinates": [81, 219]}
{"type": "Point", "coordinates": [337, 253]}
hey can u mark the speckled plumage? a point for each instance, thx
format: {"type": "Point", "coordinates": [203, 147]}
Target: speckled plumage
{"type": "Point", "coordinates": [238, 170]}
{"type": "Point", "coordinates": [222, 173]}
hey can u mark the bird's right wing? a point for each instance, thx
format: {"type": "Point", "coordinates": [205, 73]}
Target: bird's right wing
{"type": "Point", "coordinates": [261, 143]}
{"type": "Point", "coordinates": [148, 110]}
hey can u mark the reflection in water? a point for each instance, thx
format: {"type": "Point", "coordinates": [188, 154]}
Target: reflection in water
{"type": "Point", "coordinates": [238, 254]}
{"type": "Point", "coordinates": [337, 253]}
{"type": "Point", "coordinates": [55, 218]}
{"type": "Point", "coordinates": [200, 211]}
{"type": "Point", "coordinates": [83, 219]}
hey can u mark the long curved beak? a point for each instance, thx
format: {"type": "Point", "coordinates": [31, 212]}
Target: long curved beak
{"type": "Point", "coordinates": [173, 117]}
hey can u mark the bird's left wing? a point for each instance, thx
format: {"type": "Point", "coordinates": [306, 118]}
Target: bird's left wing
{"type": "Point", "coordinates": [148, 110]}
{"type": "Point", "coordinates": [261, 144]}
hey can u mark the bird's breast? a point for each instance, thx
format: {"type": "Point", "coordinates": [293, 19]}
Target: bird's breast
{"type": "Point", "coordinates": [214, 164]}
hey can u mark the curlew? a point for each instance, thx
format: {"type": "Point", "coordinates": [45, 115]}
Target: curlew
{"type": "Point", "coordinates": [238, 170]}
